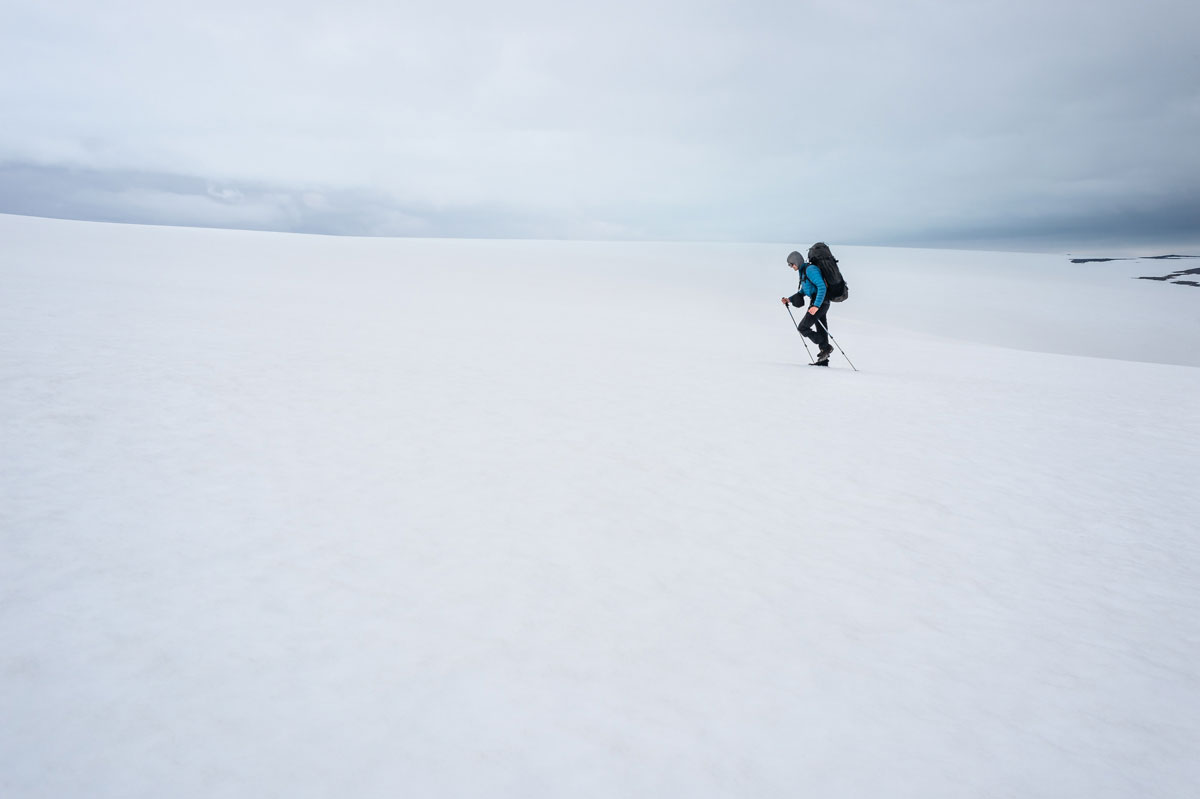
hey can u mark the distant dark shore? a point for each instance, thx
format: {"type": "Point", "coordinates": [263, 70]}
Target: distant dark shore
{"type": "Point", "coordinates": [1171, 278]}
{"type": "Point", "coordinates": [1138, 258]}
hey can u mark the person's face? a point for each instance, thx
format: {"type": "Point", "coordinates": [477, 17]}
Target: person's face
{"type": "Point", "coordinates": [795, 267]}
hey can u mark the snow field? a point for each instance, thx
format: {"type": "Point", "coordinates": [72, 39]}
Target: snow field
{"type": "Point", "coordinates": [298, 516]}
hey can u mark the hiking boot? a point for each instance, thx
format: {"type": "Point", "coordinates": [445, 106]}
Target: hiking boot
{"type": "Point", "coordinates": [824, 353]}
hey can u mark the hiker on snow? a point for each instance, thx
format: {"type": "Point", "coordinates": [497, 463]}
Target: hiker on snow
{"type": "Point", "coordinates": [812, 284]}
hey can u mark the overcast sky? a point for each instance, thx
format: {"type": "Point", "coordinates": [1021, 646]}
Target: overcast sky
{"type": "Point", "coordinates": [1026, 122]}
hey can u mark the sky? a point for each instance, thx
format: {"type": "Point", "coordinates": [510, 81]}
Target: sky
{"type": "Point", "coordinates": [1008, 123]}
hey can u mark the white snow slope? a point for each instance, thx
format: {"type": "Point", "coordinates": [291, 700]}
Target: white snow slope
{"type": "Point", "coordinates": [307, 517]}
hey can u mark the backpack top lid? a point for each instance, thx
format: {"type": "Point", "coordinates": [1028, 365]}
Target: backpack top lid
{"type": "Point", "coordinates": [820, 251]}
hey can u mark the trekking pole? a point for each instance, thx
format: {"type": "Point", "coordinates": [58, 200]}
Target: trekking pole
{"type": "Point", "coordinates": [839, 346]}
{"type": "Point", "coordinates": [797, 326]}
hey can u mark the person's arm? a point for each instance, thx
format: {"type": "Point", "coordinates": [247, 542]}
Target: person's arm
{"type": "Point", "coordinates": [814, 275]}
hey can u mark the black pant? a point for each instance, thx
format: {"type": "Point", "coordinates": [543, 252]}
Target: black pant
{"type": "Point", "coordinates": [809, 328]}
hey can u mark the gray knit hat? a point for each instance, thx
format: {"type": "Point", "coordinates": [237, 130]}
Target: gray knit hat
{"type": "Point", "coordinates": [796, 259]}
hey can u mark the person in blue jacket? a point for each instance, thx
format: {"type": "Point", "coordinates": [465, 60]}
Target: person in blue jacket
{"type": "Point", "coordinates": [812, 285]}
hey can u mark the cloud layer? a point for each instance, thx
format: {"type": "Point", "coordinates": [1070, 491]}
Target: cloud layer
{"type": "Point", "coordinates": [870, 122]}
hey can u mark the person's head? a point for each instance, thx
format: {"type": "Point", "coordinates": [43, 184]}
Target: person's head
{"type": "Point", "coordinates": [795, 261]}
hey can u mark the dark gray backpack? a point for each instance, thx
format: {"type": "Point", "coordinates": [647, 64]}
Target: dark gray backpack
{"type": "Point", "coordinates": [835, 285]}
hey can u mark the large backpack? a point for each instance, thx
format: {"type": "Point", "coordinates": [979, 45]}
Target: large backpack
{"type": "Point", "coordinates": [835, 285]}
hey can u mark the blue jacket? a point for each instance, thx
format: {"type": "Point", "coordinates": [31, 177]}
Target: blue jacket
{"type": "Point", "coordinates": [812, 284]}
